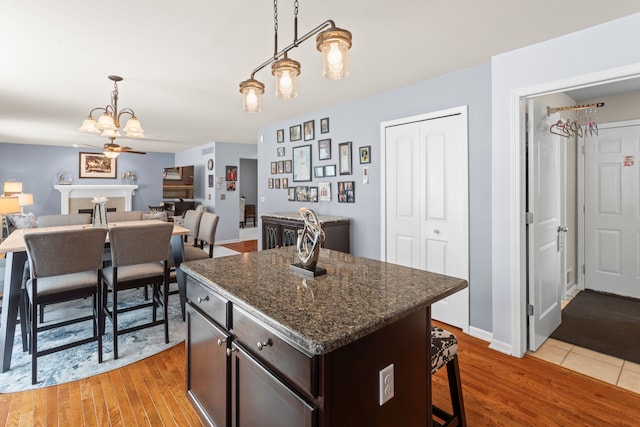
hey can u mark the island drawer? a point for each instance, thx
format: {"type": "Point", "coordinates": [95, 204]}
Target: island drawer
{"type": "Point", "coordinates": [272, 350]}
{"type": "Point", "coordinates": [207, 301]}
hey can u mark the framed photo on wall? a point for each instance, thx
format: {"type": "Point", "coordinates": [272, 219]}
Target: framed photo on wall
{"type": "Point", "coordinates": [346, 192]}
{"type": "Point", "coordinates": [365, 154]}
{"type": "Point", "coordinates": [302, 163]}
{"type": "Point", "coordinates": [324, 149]}
{"type": "Point", "coordinates": [309, 130]}
{"type": "Point", "coordinates": [324, 191]}
{"type": "Point", "coordinates": [287, 166]}
{"type": "Point", "coordinates": [295, 133]}
{"type": "Point", "coordinates": [280, 135]}
{"type": "Point", "coordinates": [324, 125]}
{"type": "Point", "coordinates": [330, 170]}
{"type": "Point", "coordinates": [344, 152]}
{"type": "Point", "coordinates": [97, 165]}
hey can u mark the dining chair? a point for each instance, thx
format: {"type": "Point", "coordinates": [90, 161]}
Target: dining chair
{"type": "Point", "coordinates": [64, 265]}
{"type": "Point", "coordinates": [120, 216]}
{"type": "Point", "coordinates": [67, 219]}
{"type": "Point", "coordinates": [192, 222]}
{"type": "Point", "coordinates": [139, 256]}
{"type": "Point", "coordinates": [206, 235]}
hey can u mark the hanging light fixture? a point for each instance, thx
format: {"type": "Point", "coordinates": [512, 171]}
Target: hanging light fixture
{"type": "Point", "coordinates": [334, 44]}
{"type": "Point", "coordinates": [108, 123]}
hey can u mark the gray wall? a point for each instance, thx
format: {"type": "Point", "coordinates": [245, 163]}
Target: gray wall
{"type": "Point", "coordinates": [359, 122]}
{"type": "Point", "coordinates": [36, 166]}
{"type": "Point", "coordinates": [223, 154]}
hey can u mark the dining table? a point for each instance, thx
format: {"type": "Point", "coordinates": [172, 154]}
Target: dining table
{"type": "Point", "coordinates": [14, 249]}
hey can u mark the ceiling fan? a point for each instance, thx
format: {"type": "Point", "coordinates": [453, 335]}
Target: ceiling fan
{"type": "Point", "coordinates": [112, 147]}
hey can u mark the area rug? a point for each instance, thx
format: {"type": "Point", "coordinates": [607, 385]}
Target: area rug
{"type": "Point", "coordinates": [601, 322]}
{"type": "Point", "coordinates": [82, 362]}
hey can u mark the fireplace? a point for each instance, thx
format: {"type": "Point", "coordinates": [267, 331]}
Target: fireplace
{"type": "Point", "coordinates": [76, 197]}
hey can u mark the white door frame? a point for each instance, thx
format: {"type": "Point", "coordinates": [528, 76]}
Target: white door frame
{"type": "Point", "coordinates": [518, 189]}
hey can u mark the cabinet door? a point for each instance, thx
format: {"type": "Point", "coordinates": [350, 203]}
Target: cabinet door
{"type": "Point", "coordinates": [260, 399]}
{"type": "Point", "coordinates": [289, 230]}
{"type": "Point", "coordinates": [270, 234]}
{"type": "Point", "coordinates": [208, 382]}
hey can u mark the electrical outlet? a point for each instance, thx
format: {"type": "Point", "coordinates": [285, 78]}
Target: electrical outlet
{"type": "Point", "coordinates": [385, 384]}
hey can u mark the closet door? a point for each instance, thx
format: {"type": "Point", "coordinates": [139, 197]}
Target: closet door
{"type": "Point", "coordinates": [426, 210]}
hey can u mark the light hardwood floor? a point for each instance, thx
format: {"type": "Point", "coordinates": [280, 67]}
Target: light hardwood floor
{"type": "Point", "coordinates": [499, 390]}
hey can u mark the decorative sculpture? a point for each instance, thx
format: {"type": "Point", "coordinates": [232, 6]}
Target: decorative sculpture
{"type": "Point", "coordinates": [310, 239]}
{"type": "Point", "coordinates": [99, 211]}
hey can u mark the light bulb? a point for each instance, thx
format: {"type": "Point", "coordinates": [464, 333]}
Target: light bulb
{"type": "Point", "coordinates": [252, 99]}
{"type": "Point", "coordinates": [286, 85]}
{"type": "Point", "coordinates": [334, 58]}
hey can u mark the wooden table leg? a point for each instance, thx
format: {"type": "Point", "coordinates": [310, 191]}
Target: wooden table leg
{"type": "Point", "coordinates": [11, 300]}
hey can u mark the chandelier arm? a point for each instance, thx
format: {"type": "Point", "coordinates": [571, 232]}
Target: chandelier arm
{"type": "Point", "coordinates": [326, 24]}
{"type": "Point", "coordinates": [95, 109]}
{"type": "Point", "coordinates": [126, 111]}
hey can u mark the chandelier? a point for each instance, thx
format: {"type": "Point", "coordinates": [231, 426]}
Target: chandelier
{"type": "Point", "coordinates": [108, 123]}
{"type": "Point", "coordinates": [334, 44]}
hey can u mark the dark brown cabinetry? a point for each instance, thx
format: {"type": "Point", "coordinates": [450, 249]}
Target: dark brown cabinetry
{"type": "Point", "coordinates": [282, 230]}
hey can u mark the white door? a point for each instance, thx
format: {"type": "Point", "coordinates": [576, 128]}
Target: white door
{"type": "Point", "coordinates": [545, 234]}
{"type": "Point", "coordinates": [612, 210]}
{"type": "Point", "coordinates": [426, 209]}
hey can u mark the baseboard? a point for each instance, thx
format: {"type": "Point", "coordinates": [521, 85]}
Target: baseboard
{"type": "Point", "coordinates": [502, 347]}
{"type": "Point", "coordinates": [480, 334]}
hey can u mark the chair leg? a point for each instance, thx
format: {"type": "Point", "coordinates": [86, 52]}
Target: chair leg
{"type": "Point", "coordinates": [25, 324]}
{"type": "Point", "coordinates": [34, 342]}
{"type": "Point", "coordinates": [455, 389]}
{"type": "Point", "coordinates": [165, 304]}
{"type": "Point", "coordinates": [114, 321]}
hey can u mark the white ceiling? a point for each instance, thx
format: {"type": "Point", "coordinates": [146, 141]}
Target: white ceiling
{"type": "Point", "coordinates": [182, 61]}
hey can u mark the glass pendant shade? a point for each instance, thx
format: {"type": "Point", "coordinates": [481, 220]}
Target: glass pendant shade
{"type": "Point", "coordinates": [110, 133]}
{"type": "Point", "coordinates": [334, 45]}
{"type": "Point", "coordinates": [110, 154]}
{"type": "Point", "coordinates": [89, 126]}
{"type": "Point", "coordinates": [286, 72]}
{"type": "Point", "coordinates": [251, 91]}
{"type": "Point", "coordinates": [133, 129]}
{"type": "Point", "coordinates": [105, 122]}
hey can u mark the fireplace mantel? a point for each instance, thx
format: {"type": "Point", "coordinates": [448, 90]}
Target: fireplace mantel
{"type": "Point", "coordinates": [89, 191]}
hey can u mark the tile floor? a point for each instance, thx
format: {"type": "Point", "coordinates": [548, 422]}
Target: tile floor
{"type": "Point", "coordinates": [610, 369]}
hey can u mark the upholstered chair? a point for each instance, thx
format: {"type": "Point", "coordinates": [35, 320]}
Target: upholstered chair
{"type": "Point", "coordinates": [64, 265]}
{"type": "Point", "coordinates": [192, 222]}
{"type": "Point", "coordinates": [139, 257]}
{"type": "Point", "coordinates": [69, 219]}
{"type": "Point", "coordinates": [121, 216]}
{"type": "Point", "coordinates": [206, 235]}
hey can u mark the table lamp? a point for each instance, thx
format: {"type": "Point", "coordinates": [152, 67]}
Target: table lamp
{"type": "Point", "coordinates": [8, 205]}
{"type": "Point", "coordinates": [12, 187]}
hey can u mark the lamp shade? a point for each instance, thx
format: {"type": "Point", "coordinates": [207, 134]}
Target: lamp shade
{"type": "Point", "coordinates": [89, 126]}
{"type": "Point", "coordinates": [105, 122]}
{"type": "Point", "coordinates": [252, 91]}
{"type": "Point", "coordinates": [9, 205]}
{"type": "Point", "coordinates": [12, 187]}
{"type": "Point", "coordinates": [334, 45]}
{"type": "Point", "coordinates": [25, 199]}
{"type": "Point", "coordinates": [286, 72]}
{"type": "Point", "coordinates": [133, 129]}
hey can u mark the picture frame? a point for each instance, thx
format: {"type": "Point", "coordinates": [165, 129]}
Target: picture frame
{"type": "Point", "coordinates": [280, 151]}
{"type": "Point", "coordinates": [288, 166]}
{"type": "Point", "coordinates": [231, 173]}
{"type": "Point", "coordinates": [280, 166]}
{"type": "Point", "coordinates": [330, 170]}
{"type": "Point", "coordinates": [365, 154]}
{"type": "Point", "coordinates": [324, 149]}
{"type": "Point", "coordinates": [231, 186]}
{"type": "Point", "coordinates": [309, 130]}
{"type": "Point", "coordinates": [97, 165]}
{"type": "Point", "coordinates": [291, 196]}
{"type": "Point", "coordinates": [312, 195]}
{"type": "Point", "coordinates": [301, 193]}
{"type": "Point", "coordinates": [344, 150]}
{"type": "Point", "coordinates": [324, 125]}
{"type": "Point", "coordinates": [274, 168]}
{"type": "Point", "coordinates": [346, 192]}
{"type": "Point", "coordinates": [280, 135]}
{"type": "Point", "coordinates": [324, 191]}
{"type": "Point", "coordinates": [270, 182]}
{"type": "Point", "coordinates": [302, 164]}
{"type": "Point", "coordinates": [276, 183]}
{"type": "Point", "coordinates": [318, 172]}
{"type": "Point", "coordinates": [295, 133]}
{"type": "Point", "coordinates": [285, 183]}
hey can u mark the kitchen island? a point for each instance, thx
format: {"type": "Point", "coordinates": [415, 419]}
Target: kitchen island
{"type": "Point", "coordinates": [267, 346]}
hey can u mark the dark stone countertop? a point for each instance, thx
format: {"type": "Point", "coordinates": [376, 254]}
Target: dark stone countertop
{"type": "Point", "coordinates": [356, 297]}
{"type": "Point", "coordinates": [297, 217]}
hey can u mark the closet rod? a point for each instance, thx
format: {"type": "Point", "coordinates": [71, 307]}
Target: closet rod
{"type": "Point", "coordinates": [551, 110]}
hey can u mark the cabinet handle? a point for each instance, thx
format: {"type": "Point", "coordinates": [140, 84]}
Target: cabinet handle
{"type": "Point", "coordinates": [221, 341]}
{"type": "Point", "coordinates": [203, 299]}
{"type": "Point", "coordinates": [262, 345]}
{"type": "Point", "coordinates": [230, 350]}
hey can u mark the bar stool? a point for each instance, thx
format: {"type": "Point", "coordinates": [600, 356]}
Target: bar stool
{"type": "Point", "coordinates": [444, 351]}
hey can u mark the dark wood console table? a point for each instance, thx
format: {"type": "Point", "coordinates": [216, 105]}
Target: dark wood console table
{"type": "Point", "coordinates": [281, 229]}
